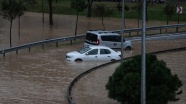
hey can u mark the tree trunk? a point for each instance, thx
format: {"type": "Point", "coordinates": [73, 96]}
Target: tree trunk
{"type": "Point", "coordinates": [103, 23]}
{"type": "Point", "coordinates": [42, 8]}
{"type": "Point", "coordinates": [76, 24]}
{"type": "Point", "coordinates": [146, 10]}
{"type": "Point", "coordinates": [50, 12]}
{"type": "Point", "coordinates": [11, 33]}
{"type": "Point", "coordinates": [138, 18]}
{"type": "Point", "coordinates": [19, 26]}
{"type": "Point", "coordinates": [167, 22]}
{"type": "Point", "coordinates": [89, 14]}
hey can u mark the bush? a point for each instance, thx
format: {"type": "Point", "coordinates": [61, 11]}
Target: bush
{"type": "Point", "coordinates": [161, 86]}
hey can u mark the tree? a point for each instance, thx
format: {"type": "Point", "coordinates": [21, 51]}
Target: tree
{"type": "Point", "coordinates": [10, 10]}
{"type": "Point", "coordinates": [42, 9]}
{"type": "Point", "coordinates": [21, 8]}
{"type": "Point", "coordinates": [169, 11]}
{"type": "Point", "coordinates": [126, 8]}
{"type": "Point", "coordinates": [100, 10]}
{"type": "Point", "coordinates": [50, 12]}
{"type": "Point", "coordinates": [162, 85]}
{"type": "Point", "coordinates": [31, 2]}
{"type": "Point", "coordinates": [138, 9]}
{"type": "Point", "coordinates": [89, 13]}
{"type": "Point", "coordinates": [79, 6]}
{"type": "Point", "coordinates": [146, 10]}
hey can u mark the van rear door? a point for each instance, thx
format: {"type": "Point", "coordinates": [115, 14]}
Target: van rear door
{"type": "Point", "coordinates": [91, 39]}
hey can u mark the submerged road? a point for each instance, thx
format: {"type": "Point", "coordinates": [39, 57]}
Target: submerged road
{"type": "Point", "coordinates": [42, 76]}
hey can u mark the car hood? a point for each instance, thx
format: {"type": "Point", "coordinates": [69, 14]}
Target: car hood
{"type": "Point", "coordinates": [128, 42]}
{"type": "Point", "coordinates": [73, 53]}
{"type": "Point", "coordinates": [119, 52]}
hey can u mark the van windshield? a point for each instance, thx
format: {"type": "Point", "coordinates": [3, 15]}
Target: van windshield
{"type": "Point", "coordinates": [91, 37]}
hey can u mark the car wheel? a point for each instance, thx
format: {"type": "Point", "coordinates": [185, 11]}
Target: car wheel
{"type": "Point", "coordinates": [78, 60]}
{"type": "Point", "coordinates": [128, 48]}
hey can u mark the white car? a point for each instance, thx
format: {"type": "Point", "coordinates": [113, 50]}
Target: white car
{"type": "Point", "coordinates": [94, 53]}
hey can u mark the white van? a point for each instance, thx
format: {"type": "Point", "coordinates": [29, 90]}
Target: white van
{"type": "Point", "coordinates": [106, 38]}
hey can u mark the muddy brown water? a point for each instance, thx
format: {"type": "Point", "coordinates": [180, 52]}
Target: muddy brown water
{"type": "Point", "coordinates": [90, 89]}
{"type": "Point", "coordinates": [33, 29]}
{"type": "Point", "coordinates": [38, 77]}
{"type": "Point", "coordinates": [43, 76]}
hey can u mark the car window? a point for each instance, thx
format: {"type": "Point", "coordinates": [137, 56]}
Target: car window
{"type": "Point", "coordinates": [107, 38]}
{"type": "Point", "coordinates": [93, 52]}
{"type": "Point", "coordinates": [104, 38]}
{"type": "Point", "coordinates": [111, 38]}
{"type": "Point", "coordinates": [104, 51]}
{"type": "Point", "coordinates": [117, 38]}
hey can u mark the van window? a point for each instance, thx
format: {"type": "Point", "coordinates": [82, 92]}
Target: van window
{"type": "Point", "coordinates": [91, 37]}
{"type": "Point", "coordinates": [111, 38]}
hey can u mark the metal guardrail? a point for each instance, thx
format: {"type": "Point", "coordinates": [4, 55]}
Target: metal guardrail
{"type": "Point", "coordinates": [177, 26]}
{"type": "Point", "coordinates": [69, 95]}
{"type": "Point", "coordinates": [57, 40]}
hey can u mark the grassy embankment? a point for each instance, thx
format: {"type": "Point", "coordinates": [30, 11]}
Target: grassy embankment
{"type": "Point", "coordinates": [155, 11]}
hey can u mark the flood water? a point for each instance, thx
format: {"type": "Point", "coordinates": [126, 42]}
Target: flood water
{"type": "Point", "coordinates": [42, 76]}
{"type": "Point", "coordinates": [33, 29]}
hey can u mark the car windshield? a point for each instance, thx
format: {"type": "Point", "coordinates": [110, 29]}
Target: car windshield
{"type": "Point", "coordinates": [84, 50]}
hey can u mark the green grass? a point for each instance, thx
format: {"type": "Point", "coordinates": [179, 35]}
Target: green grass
{"type": "Point", "coordinates": [61, 7]}
{"type": "Point", "coordinates": [155, 12]}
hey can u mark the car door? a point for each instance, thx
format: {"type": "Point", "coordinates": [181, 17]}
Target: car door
{"type": "Point", "coordinates": [91, 55]}
{"type": "Point", "coordinates": [104, 55]}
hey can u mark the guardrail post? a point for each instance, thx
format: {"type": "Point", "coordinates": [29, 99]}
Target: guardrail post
{"type": "Point", "coordinates": [71, 42]}
{"type": "Point", "coordinates": [176, 29]}
{"type": "Point", "coordinates": [137, 33]}
{"type": "Point", "coordinates": [43, 46]}
{"type": "Point", "coordinates": [129, 34]}
{"type": "Point", "coordinates": [56, 44]}
{"type": "Point", "coordinates": [160, 31]}
{"type": "Point", "coordinates": [29, 49]}
{"type": "Point", "coordinates": [4, 54]}
{"type": "Point", "coordinates": [16, 51]}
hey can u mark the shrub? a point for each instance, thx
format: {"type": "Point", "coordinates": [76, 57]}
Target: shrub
{"type": "Point", "coordinates": [161, 86]}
